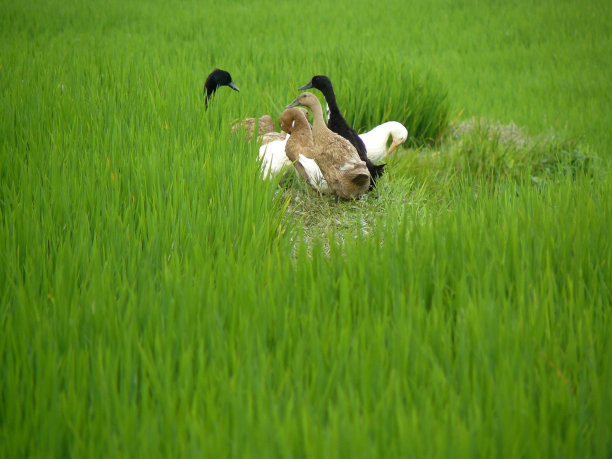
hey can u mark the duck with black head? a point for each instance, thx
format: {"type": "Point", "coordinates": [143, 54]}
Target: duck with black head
{"type": "Point", "coordinates": [336, 123]}
{"type": "Point", "coordinates": [217, 78]}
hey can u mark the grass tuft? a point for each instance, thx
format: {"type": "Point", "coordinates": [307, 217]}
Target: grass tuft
{"type": "Point", "coordinates": [395, 92]}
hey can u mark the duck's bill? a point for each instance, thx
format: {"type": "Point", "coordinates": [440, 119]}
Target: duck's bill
{"type": "Point", "coordinates": [306, 86]}
{"type": "Point", "coordinates": [233, 86]}
{"type": "Point", "coordinates": [393, 146]}
{"type": "Point", "coordinates": [295, 103]}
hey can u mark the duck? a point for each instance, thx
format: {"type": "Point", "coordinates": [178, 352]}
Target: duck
{"type": "Point", "coordinates": [265, 124]}
{"type": "Point", "coordinates": [215, 79]}
{"type": "Point", "coordinates": [336, 123]}
{"type": "Point", "coordinates": [346, 174]}
{"type": "Point", "coordinates": [376, 139]}
{"type": "Point", "coordinates": [300, 148]}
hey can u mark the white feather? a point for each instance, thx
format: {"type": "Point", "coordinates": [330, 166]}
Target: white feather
{"type": "Point", "coordinates": [273, 158]}
{"type": "Point", "coordinates": [315, 176]}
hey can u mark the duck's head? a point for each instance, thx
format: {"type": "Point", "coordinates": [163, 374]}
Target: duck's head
{"type": "Point", "coordinates": [306, 99]}
{"type": "Point", "coordinates": [292, 117]}
{"type": "Point", "coordinates": [320, 82]}
{"type": "Point", "coordinates": [218, 78]}
{"type": "Point", "coordinates": [399, 134]}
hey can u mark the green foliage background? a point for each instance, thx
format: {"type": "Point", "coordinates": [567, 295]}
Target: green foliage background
{"type": "Point", "coordinates": [157, 298]}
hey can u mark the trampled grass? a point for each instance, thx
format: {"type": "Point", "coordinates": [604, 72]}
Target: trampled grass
{"type": "Point", "coordinates": [159, 299]}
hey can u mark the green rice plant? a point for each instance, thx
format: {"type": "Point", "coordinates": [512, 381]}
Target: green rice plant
{"type": "Point", "coordinates": [480, 267]}
{"type": "Point", "coordinates": [492, 149]}
{"type": "Point", "coordinates": [157, 298]}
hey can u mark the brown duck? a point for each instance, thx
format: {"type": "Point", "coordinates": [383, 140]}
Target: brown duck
{"type": "Point", "coordinates": [300, 148]}
{"type": "Point", "coordinates": [346, 174]}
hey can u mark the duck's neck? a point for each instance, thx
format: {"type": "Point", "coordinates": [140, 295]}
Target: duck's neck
{"type": "Point", "coordinates": [330, 98]}
{"type": "Point", "coordinates": [210, 91]}
{"type": "Point", "coordinates": [301, 126]}
{"type": "Point", "coordinates": [385, 131]}
{"type": "Point", "coordinates": [318, 124]}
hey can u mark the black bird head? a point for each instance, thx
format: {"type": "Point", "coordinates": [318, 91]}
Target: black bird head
{"type": "Point", "coordinates": [320, 82]}
{"type": "Point", "coordinates": [217, 78]}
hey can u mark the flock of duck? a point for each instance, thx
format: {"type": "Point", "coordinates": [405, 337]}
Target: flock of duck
{"type": "Point", "coordinates": [331, 158]}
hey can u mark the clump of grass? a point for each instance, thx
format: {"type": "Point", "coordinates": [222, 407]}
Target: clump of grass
{"type": "Point", "coordinates": [487, 152]}
{"type": "Point", "coordinates": [498, 150]}
{"type": "Point", "coordinates": [370, 90]}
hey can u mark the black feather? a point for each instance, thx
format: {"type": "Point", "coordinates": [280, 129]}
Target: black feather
{"type": "Point", "coordinates": [217, 78]}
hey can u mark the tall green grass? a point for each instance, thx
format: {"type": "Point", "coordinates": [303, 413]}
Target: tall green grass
{"type": "Point", "coordinates": [158, 299]}
{"type": "Point", "coordinates": [389, 89]}
{"type": "Point", "coordinates": [463, 333]}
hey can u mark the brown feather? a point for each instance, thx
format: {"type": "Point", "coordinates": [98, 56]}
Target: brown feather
{"type": "Point", "coordinates": [265, 123]}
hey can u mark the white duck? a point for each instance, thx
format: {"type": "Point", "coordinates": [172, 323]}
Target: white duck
{"type": "Point", "coordinates": [376, 140]}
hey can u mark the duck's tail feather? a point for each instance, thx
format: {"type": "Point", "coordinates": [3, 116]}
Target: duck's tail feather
{"type": "Point", "coordinates": [361, 179]}
{"type": "Point", "coordinates": [376, 170]}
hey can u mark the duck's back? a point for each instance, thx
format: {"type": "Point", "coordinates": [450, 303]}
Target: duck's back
{"type": "Point", "coordinates": [346, 174]}
{"type": "Point", "coordinates": [339, 125]}
{"type": "Point", "coordinates": [272, 136]}
{"type": "Point", "coordinates": [337, 150]}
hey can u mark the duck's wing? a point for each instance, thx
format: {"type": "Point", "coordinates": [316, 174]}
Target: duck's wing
{"type": "Point", "coordinates": [272, 136]}
{"type": "Point", "coordinates": [341, 152]}
{"type": "Point", "coordinates": [266, 124]}
{"type": "Point", "coordinates": [273, 158]}
{"type": "Point", "coordinates": [313, 173]}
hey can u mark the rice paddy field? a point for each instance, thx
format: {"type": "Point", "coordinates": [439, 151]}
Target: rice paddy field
{"type": "Point", "coordinates": [159, 299]}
